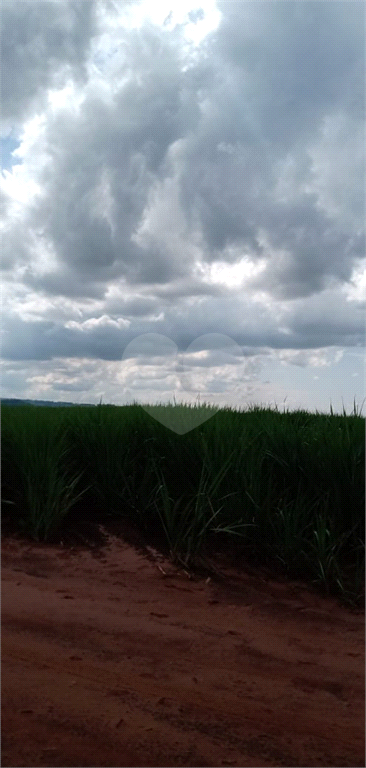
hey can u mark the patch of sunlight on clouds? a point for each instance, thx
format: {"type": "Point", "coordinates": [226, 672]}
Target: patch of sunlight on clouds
{"type": "Point", "coordinates": [21, 193]}
{"type": "Point", "coordinates": [98, 322]}
{"type": "Point", "coordinates": [314, 358]}
{"type": "Point", "coordinates": [356, 289]}
{"type": "Point", "coordinates": [68, 97]}
{"type": "Point", "coordinates": [168, 14]}
{"type": "Point", "coordinates": [231, 275]}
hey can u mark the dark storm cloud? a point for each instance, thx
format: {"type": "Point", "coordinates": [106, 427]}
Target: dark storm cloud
{"type": "Point", "coordinates": [121, 146]}
{"type": "Point", "coordinates": [223, 127]}
{"type": "Point", "coordinates": [316, 250]}
{"type": "Point", "coordinates": [45, 340]}
{"type": "Point", "coordinates": [63, 281]}
{"type": "Point", "coordinates": [293, 62]}
{"type": "Point", "coordinates": [327, 321]}
{"type": "Point", "coordinates": [283, 67]}
{"type": "Point", "coordinates": [43, 43]}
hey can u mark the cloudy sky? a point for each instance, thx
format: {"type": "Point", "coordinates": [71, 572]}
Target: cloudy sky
{"type": "Point", "coordinates": [183, 201]}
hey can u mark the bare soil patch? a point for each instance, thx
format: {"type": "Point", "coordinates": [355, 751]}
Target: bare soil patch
{"type": "Point", "coordinates": [111, 656]}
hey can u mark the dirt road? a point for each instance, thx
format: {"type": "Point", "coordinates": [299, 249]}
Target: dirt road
{"type": "Point", "coordinates": [116, 658]}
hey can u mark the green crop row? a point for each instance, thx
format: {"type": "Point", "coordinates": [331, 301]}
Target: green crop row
{"type": "Point", "coordinates": [289, 488]}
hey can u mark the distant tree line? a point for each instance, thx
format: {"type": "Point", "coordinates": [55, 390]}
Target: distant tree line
{"type": "Point", "coordinates": [50, 403]}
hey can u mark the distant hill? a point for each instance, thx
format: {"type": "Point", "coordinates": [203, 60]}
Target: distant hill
{"type": "Point", "coordinates": [50, 403]}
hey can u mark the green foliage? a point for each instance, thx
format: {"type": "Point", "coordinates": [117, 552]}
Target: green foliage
{"type": "Point", "coordinates": [291, 486]}
{"type": "Point", "coordinates": [34, 471]}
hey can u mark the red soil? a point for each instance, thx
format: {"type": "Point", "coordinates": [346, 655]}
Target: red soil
{"type": "Point", "coordinates": [117, 658]}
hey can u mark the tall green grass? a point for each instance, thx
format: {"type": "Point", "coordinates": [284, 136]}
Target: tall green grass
{"type": "Point", "coordinates": [289, 488]}
{"type": "Point", "coordinates": [35, 470]}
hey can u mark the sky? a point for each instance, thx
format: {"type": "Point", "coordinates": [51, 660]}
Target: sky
{"type": "Point", "coordinates": [183, 202]}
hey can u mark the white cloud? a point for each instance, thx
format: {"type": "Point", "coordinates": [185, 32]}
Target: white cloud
{"type": "Point", "coordinates": [184, 170]}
